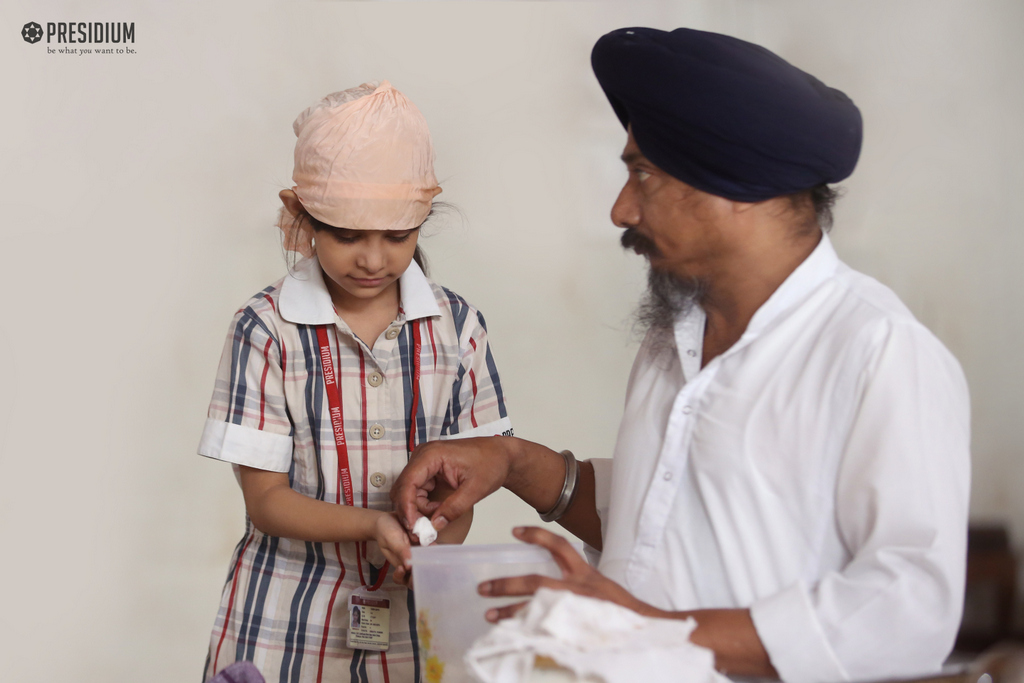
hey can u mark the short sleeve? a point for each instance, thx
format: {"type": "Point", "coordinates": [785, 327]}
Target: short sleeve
{"type": "Point", "coordinates": [477, 406]}
{"type": "Point", "coordinates": [248, 422]}
{"type": "Point", "coordinates": [901, 511]}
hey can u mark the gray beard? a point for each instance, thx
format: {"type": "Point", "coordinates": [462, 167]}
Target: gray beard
{"type": "Point", "coordinates": [665, 300]}
{"type": "Point", "coordinates": [667, 297]}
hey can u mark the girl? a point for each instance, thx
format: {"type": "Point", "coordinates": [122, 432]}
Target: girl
{"type": "Point", "coordinates": [328, 380]}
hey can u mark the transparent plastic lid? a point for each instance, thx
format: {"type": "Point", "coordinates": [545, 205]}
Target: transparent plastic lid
{"type": "Point", "coordinates": [500, 553]}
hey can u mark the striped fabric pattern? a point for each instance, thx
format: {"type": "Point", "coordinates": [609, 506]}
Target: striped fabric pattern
{"type": "Point", "coordinates": [284, 604]}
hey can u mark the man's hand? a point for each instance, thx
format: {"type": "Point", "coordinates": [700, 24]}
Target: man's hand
{"type": "Point", "coordinates": [577, 576]}
{"type": "Point", "coordinates": [474, 468]}
{"type": "Point", "coordinates": [729, 633]}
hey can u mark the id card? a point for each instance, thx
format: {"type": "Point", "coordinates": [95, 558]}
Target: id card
{"type": "Point", "coordinates": [369, 620]}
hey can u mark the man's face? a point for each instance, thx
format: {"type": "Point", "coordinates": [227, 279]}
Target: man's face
{"type": "Point", "coordinates": [674, 225]}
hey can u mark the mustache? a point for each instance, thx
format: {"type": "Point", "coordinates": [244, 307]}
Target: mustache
{"type": "Point", "coordinates": [640, 244]}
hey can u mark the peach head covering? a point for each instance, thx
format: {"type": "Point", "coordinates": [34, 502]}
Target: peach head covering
{"type": "Point", "coordinates": [364, 160]}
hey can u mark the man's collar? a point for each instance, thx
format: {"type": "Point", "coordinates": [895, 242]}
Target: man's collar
{"type": "Point", "coordinates": [820, 265]}
{"type": "Point", "coordinates": [305, 300]}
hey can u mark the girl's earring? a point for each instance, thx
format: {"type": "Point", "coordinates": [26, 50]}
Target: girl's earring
{"type": "Point", "coordinates": [312, 243]}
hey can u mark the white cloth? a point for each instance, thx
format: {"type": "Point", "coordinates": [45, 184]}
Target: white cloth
{"type": "Point", "coordinates": [594, 639]}
{"type": "Point", "coordinates": [817, 472]}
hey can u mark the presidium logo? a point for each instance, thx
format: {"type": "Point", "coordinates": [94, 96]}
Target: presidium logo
{"type": "Point", "coordinates": [100, 35]}
{"type": "Point", "coordinates": [32, 32]}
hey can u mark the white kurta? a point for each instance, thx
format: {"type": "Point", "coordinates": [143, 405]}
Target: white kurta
{"type": "Point", "coordinates": [817, 472]}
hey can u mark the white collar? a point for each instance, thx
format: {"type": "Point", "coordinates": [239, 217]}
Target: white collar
{"type": "Point", "coordinates": [304, 298]}
{"type": "Point", "coordinates": [821, 264]}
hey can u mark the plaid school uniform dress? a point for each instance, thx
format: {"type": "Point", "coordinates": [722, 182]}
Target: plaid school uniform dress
{"type": "Point", "coordinates": [284, 604]}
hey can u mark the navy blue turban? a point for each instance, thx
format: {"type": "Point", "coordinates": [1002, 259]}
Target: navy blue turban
{"type": "Point", "coordinates": [727, 116]}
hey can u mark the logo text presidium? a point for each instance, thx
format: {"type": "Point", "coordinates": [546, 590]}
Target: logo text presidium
{"type": "Point", "coordinates": [91, 32]}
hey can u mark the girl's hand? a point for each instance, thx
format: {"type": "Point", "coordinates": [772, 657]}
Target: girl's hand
{"type": "Point", "coordinates": [394, 543]}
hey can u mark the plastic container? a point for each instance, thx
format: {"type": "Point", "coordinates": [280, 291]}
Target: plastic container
{"type": "Point", "coordinates": [449, 611]}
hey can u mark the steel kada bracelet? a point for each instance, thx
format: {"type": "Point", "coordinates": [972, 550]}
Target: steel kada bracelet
{"type": "Point", "coordinates": [572, 479]}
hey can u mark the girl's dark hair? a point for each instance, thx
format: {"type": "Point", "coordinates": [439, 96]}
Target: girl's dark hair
{"type": "Point", "coordinates": [417, 256]}
{"type": "Point", "coordinates": [296, 232]}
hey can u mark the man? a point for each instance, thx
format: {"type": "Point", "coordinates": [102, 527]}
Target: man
{"type": "Point", "coordinates": [792, 467]}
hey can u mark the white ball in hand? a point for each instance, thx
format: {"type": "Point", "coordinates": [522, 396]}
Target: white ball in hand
{"type": "Point", "coordinates": [424, 531]}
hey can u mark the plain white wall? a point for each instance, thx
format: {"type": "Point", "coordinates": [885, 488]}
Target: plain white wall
{"type": "Point", "coordinates": [139, 194]}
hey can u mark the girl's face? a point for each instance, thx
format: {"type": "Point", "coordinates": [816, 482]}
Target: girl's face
{"type": "Point", "coordinates": [362, 264]}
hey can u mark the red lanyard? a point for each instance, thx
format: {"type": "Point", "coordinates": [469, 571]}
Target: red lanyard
{"type": "Point", "coordinates": [334, 404]}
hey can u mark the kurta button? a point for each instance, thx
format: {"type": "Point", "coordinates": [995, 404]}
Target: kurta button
{"type": "Point", "coordinates": [376, 431]}
{"type": "Point", "coordinates": [374, 379]}
{"type": "Point", "coordinates": [687, 410]}
{"type": "Point", "coordinates": [378, 479]}
{"type": "Point", "coordinates": [668, 476]}
{"type": "Point", "coordinates": [691, 353]}
{"type": "Point", "coordinates": [392, 333]}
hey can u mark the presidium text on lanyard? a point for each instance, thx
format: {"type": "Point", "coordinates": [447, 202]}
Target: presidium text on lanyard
{"type": "Point", "coordinates": [363, 635]}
